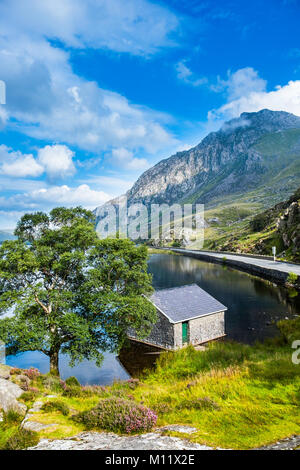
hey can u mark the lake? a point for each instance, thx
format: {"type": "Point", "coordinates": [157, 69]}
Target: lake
{"type": "Point", "coordinates": [254, 305]}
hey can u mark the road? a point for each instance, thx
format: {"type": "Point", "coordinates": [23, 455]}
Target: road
{"type": "Point", "coordinates": [258, 263]}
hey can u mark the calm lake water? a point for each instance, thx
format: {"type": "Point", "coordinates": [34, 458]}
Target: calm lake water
{"type": "Point", "coordinates": [253, 307]}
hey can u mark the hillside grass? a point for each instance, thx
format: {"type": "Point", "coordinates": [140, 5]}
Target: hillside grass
{"type": "Point", "coordinates": [236, 396]}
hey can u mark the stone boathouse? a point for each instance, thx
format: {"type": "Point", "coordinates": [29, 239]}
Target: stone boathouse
{"type": "Point", "coordinates": [186, 315]}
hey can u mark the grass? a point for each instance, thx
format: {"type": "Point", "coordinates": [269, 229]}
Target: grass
{"type": "Point", "coordinates": [236, 396]}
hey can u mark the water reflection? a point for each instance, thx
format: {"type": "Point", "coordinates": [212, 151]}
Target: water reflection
{"type": "Point", "coordinates": [254, 305]}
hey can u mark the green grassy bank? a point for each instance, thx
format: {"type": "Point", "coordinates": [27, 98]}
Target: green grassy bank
{"type": "Point", "coordinates": [236, 396]}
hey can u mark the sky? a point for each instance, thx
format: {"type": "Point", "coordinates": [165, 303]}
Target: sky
{"type": "Point", "coordinates": [97, 91]}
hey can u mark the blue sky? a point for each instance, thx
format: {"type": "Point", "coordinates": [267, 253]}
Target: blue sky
{"type": "Point", "coordinates": [97, 91]}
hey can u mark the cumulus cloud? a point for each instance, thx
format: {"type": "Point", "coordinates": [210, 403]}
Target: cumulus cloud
{"type": "Point", "coordinates": [18, 165]}
{"type": "Point", "coordinates": [47, 100]}
{"type": "Point", "coordinates": [185, 74]}
{"type": "Point", "coordinates": [47, 197]}
{"type": "Point", "coordinates": [57, 160]}
{"type": "Point", "coordinates": [54, 160]}
{"type": "Point", "coordinates": [247, 93]}
{"type": "Point", "coordinates": [95, 23]}
{"type": "Point", "coordinates": [240, 83]}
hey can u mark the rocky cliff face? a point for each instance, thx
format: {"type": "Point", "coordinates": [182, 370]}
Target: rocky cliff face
{"type": "Point", "coordinates": [225, 162]}
{"type": "Point", "coordinates": [258, 151]}
{"type": "Point", "coordinates": [288, 227]}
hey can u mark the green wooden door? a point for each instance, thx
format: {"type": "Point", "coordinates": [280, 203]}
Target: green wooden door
{"type": "Point", "coordinates": [185, 333]}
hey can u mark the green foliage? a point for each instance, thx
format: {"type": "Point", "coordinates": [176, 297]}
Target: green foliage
{"type": "Point", "coordinates": [292, 278]}
{"type": "Point", "coordinates": [72, 293]}
{"type": "Point", "coordinates": [188, 362]}
{"type": "Point", "coordinates": [52, 383]}
{"type": "Point", "coordinates": [118, 415]}
{"type": "Point", "coordinates": [72, 382]}
{"type": "Point", "coordinates": [56, 405]}
{"type": "Point", "coordinates": [289, 329]}
{"type": "Point", "coordinates": [259, 222]}
{"type": "Point", "coordinates": [204, 403]}
{"type": "Point", "coordinates": [22, 439]}
{"type": "Point", "coordinates": [73, 392]}
{"type": "Point", "coordinates": [275, 370]}
{"type": "Point", "coordinates": [30, 396]}
{"type": "Point", "coordinates": [176, 244]}
{"type": "Point", "coordinates": [12, 418]}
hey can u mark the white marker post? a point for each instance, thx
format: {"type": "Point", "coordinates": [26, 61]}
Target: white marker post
{"type": "Point", "coordinates": [274, 252]}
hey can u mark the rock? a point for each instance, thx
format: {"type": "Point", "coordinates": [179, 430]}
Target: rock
{"type": "Point", "coordinates": [29, 422]}
{"type": "Point", "coordinates": [36, 426]}
{"type": "Point", "coordinates": [110, 441]}
{"type": "Point", "coordinates": [4, 372]}
{"type": "Point", "coordinates": [23, 381]}
{"type": "Point", "coordinates": [179, 428]}
{"type": "Point", "coordinates": [9, 392]}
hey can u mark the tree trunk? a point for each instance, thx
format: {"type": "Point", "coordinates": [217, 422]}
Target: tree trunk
{"type": "Point", "coordinates": [54, 363]}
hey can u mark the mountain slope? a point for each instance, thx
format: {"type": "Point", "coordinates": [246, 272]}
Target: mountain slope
{"type": "Point", "coordinates": [246, 153]}
{"type": "Point", "coordinates": [278, 226]}
{"type": "Point", "coordinates": [250, 164]}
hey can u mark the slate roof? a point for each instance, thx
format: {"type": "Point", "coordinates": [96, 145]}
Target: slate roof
{"type": "Point", "coordinates": [184, 303]}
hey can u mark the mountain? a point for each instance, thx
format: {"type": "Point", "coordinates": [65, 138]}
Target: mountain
{"type": "Point", "coordinates": [250, 164]}
{"type": "Point", "coordinates": [244, 154]}
{"type": "Point", "coordinates": [278, 226]}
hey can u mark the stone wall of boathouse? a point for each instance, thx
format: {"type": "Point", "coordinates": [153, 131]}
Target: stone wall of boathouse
{"type": "Point", "coordinates": [206, 328]}
{"type": "Point", "coordinates": [162, 333]}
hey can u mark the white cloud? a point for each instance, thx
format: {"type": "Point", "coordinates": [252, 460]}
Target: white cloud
{"type": "Point", "coordinates": [115, 185]}
{"type": "Point", "coordinates": [240, 83]}
{"type": "Point", "coordinates": [57, 160]}
{"type": "Point", "coordinates": [125, 159]}
{"type": "Point", "coordinates": [95, 23]}
{"type": "Point", "coordinates": [64, 195]}
{"type": "Point", "coordinates": [185, 74]}
{"type": "Point", "coordinates": [18, 165]}
{"type": "Point", "coordinates": [247, 93]}
{"type": "Point", "coordinates": [54, 160]}
{"type": "Point", "coordinates": [48, 101]}
{"type": "Point", "coordinates": [51, 196]}
{"type": "Point", "coordinates": [9, 219]}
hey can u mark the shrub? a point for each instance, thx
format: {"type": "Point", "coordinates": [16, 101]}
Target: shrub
{"type": "Point", "coordinates": [74, 392]}
{"type": "Point", "coordinates": [56, 405]}
{"type": "Point", "coordinates": [12, 418]}
{"type": "Point", "coordinates": [133, 383]}
{"type": "Point", "coordinates": [22, 439]}
{"type": "Point", "coordinates": [30, 395]}
{"type": "Point", "coordinates": [50, 382]}
{"type": "Point", "coordinates": [118, 415]}
{"type": "Point", "coordinates": [91, 390]}
{"type": "Point", "coordinates": [176, 244]}
{"type": "Point", "coordinates": [15, 371]}
{"type": "Point", "coordinates": [72, 382]}
{"type": "Point", "coordinates": [204, 403]}
{"type": "Point", "coordinates": [292, 278]}
{"type": "Point", "coordinates": [32, 373]}
{"type": "Point", "coordinates": [289, 329]}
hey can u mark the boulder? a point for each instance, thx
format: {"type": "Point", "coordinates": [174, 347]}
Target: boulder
{"type": "Point", "coordinates": [9, 392]}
